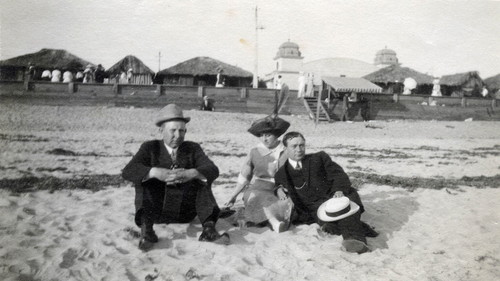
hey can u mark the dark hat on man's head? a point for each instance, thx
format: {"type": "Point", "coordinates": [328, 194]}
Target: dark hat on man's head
{"type": "Point", "coordinates": [269, 124]}
{"type": "Point", "coordinates": [171, 112]}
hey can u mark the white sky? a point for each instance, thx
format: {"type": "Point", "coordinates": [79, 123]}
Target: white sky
{"type": "Point", "coordinates": [436, 37]}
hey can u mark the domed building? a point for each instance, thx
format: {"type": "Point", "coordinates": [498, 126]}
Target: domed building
{"type": "Point", "coordinates": [386, 57]}
{"type": "Point", "coordinates": [288, 62]}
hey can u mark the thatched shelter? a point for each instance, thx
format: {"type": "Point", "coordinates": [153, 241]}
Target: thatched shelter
{"type": "Point", "coordinates": [391, 79]}
{"type": "Point", "coordinates": [15, 68]}
{"type": "Point", "coordinates": [201, 71]}
{"type": "Point", "coordinates": [493, 83]}
{"type": "Point", "coordinates": [467, 84]}
{"type": "Point", "coordinates": [141, 74]}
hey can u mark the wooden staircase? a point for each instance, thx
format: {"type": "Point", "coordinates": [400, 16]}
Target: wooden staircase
{"type": "Point", "coordinates": [311, 104]}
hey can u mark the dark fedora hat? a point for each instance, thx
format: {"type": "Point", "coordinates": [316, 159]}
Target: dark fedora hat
{"type": "Point", "coordinates": [269, 124]}
{"type": "Point", "coordinates": [170, 112]}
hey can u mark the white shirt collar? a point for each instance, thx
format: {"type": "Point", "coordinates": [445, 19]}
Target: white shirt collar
{"type": "Point", "coordinates": [293, 163]}
{"type": "Point", "coordinates": [169, 149]}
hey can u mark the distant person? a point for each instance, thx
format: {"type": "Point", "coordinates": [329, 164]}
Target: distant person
{"type": "Point", "coordinates": [282, 95]}
{"type": "Point", "coordinates": [56, 75]}
{"type": "Point", "coordinates": [31, 72]}
{"type": "Point", "coordinates": [310, 85]}
{"type": "Point", "coordinates": [301, 91]}
{"type": "Point", "coordinates": [322, 193]}
{"type": "Point", "coordinates": [88, 75]}
{"type": "Point", "coordinates": [67, 76]}
{"type": "Point", "coordinates": [99, 74]}
{"type": "Point", "coordinates": [79, 77]}
{"type": "Point", "coordinates": [207, 104]}
{"type": "Point", "coordinates": [277, 83]}
{"type": "Point", "coordinates": [256, 178]}
{"type": "Point", "coordinates": [46, 75]}
{"type": "Point", "coordinates": [220, 80]}
{"type": "Point", "coordinates": [130, 76]}
{"type": "Point", "coordinates": [123, 78]}
{"type": "Point", "coordinates": [484, 92]}
{"type": "Point", "coordinates": [173, 181]}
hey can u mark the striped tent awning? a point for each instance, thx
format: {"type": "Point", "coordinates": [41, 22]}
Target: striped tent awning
{"type": "Point", "coordinates": [350, 84]}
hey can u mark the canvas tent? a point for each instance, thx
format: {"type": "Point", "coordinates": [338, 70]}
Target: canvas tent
{"type": "Point", "coordinates": [493, 83]}
{"type": "Point", "coordinates": [462, 84]}
{"type": "Point", "coordinates": [391, 79]}
{"type": "Point", "coordinates": [350, 85]}
{"type": "Point", "coordinates": [202, 71]}
{"type": "Point", "coordinates": [14, 68]}
{"type": "Point", "coordinates": [141, 74]}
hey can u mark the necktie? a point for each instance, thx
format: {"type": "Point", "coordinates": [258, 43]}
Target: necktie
{"type": "Point", "coordinates": [173, 155]}
{"type": "Point", "coordinates": [299, 166]}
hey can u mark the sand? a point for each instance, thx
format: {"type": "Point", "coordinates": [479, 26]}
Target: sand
{"type": "Point", "coordinates": [425, 234]}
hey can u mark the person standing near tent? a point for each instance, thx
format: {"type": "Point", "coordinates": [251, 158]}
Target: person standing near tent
{"type": "Point", "coordinates": [220, 80]}
{"type": "Point", "coordinates": [130, 75]}
{"type": "Point", "coordinates": [302, 85]}
{"type": "Point", "coordinates": [99, 74]}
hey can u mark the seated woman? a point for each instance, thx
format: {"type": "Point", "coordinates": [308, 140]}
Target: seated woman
{"type": "Point", "coordinates": [256, 178]}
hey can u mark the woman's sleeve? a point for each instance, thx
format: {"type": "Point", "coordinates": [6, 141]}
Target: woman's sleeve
{"type": "Point", "coordinates": [246, 172]}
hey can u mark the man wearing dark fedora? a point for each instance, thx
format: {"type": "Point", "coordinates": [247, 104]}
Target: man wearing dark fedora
{"type": "Point", "coordinates": [172, 180]}
{"type": "Point", "coordinates": [311, 181]}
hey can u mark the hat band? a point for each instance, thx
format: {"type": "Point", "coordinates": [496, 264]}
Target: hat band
{"type": "Point", "coordinates": [341, 212]}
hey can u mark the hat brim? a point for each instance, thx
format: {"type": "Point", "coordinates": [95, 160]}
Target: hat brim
{"type": "Point", "coordinates": [268, 124]}
{"type": "Point", "coordinates": [163, 120]}
{"type": "Point", "coordinates": [324, 217]}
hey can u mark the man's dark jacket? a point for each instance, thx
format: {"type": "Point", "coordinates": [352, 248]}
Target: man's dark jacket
{"type": "Point", "coordinates": [323, 178]}
{"type": "Point", "coordinates": [184, 200]}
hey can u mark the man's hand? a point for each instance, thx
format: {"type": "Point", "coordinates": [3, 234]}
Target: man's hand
{"type": "Point", "coordinates": [175, 175]}
{"type": "Point", "coordinates": [162, 174]}
{"type": "Point", "coordinates": [281, 193]}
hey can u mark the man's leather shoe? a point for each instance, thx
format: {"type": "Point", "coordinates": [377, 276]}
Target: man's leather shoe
{"type": "Point", "coordinates": [209, 234]}
{"type": "Point", "coordinates": [355, 246]}
{"type": "Point", "coordinates": [148, 237]}
{"type": "Point", "coordinates": [148, 234]}
{"type": "Point", "coordinates": [369, 231]}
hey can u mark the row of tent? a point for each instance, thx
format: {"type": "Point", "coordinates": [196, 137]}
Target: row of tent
{"type": "Point", "coordinates": [392, 77]}
{"type": "Point", "coordinates": [201, 71]}
{"type": "Point", "coordinates": [198, 71]}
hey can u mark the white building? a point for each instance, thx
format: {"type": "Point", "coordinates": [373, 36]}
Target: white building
{"type": "Point", "coordinates": [288, 63]}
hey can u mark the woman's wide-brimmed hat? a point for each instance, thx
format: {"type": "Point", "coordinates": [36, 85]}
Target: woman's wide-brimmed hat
{"type": "Point", "coordinates": [269, 124]}
{"type": "Point", "coordinates": [336, 209]}
{"type": "Point", "coordinates": [170, 112]}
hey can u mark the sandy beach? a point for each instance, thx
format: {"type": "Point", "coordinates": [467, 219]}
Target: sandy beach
{"type": "Point", "coordinates": [430, 188]}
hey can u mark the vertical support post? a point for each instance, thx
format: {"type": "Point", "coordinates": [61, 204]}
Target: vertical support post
{"type": "Point", "coordinates": [71, 87]}
{"type": "Point", "coordinates": [158, 90]}
{"type": "Point", "coordinates": [345, 106]}
{"type": "Point", "coordinates": [464, 102]}
{"type": "Point", "coordinates": [395, 97]}
{"type": "Point", "coordinates": [27, 82]}
{"type": "Point", "coordinates": [201, 91]}
{"type": "Point", "coordinates": [244, 93]}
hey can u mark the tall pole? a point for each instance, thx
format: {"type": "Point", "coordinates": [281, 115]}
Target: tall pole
{"type": "Point", "coordinates": [256, 65]}
{"type": "Point", "coordinates": [159, 59]}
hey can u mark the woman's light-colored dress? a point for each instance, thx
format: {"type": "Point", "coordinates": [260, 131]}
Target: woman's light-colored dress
{"type": "Point", "coordinates": [258, 172]}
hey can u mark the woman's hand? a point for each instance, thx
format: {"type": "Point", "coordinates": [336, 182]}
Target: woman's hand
{"type": "Point", "coordinates": [281, 193]}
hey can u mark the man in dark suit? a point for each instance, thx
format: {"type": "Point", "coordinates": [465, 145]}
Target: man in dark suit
{"type": "Point", "coordinates": [312, 179]}
{"type": "Point", "coordinates": [172, 179]}
{"type": "Point", "coordinates": [207, 104]}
